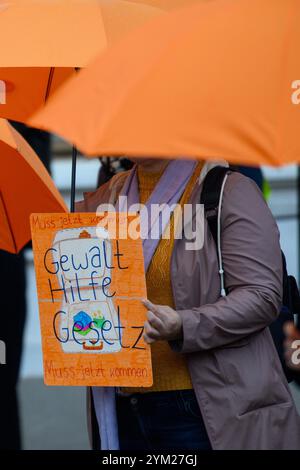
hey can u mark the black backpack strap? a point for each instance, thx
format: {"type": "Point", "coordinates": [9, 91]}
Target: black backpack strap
{"type": "Point", "coordinates": [210, 196]}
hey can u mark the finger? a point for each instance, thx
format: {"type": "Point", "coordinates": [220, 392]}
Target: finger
{"type": "Point", "coordinates": [150, 331]}
{"type": "Point", "coordinates": [147, 339]}
{"type": "Point", "coordinates": [149, 305]}
{"type": "Point", "coordinates": [155, 321]}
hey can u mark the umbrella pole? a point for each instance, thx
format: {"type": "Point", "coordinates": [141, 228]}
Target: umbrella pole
{"type": "Point", "coordinates": [74, 163]}
{"type": "Point", "coordinates": [73, 178]}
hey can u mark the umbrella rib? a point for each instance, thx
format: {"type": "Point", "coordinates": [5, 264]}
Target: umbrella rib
{"type": "Point", "coordinates": [50, 80]}
{"type": "Point", "coordinates": [8, 221]}
{"type": "Point", "coordinates": [49, 84]}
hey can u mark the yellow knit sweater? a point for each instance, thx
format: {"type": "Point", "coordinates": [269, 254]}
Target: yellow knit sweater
{"type": "Point", "coordinates": [170, 370]}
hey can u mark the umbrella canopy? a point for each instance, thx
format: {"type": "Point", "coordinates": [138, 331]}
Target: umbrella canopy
{"type": "Point", "coordinates": [168, 4]}
{"type": "Point", "coordinates": [25, 187]}
{"type": "Point", "coordinates": [215, 80]}
{"type": "Point", "coordinates": [53, 38]}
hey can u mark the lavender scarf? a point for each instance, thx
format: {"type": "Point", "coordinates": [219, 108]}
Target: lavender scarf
{"type": "Point", "coordinates": [168, 191]}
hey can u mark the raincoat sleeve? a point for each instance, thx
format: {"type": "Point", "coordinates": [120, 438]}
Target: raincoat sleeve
{"type": "Point", "coordinates": [253, 273]}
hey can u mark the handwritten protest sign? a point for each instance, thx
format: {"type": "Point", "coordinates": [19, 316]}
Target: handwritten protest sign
{"type": "Point", "coordinates": [90, 282]}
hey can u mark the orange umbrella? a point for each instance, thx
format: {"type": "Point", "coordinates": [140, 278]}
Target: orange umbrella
{"type": "Point", "coordinates": [219, 79]}
{"type": "Point", "coordinates": [52, 38]}
{"type": "Point", "coordinates": [25, 187]}
{"type": "Point", "coordinates": [168, 4]}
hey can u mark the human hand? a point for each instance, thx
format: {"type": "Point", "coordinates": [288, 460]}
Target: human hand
{"type": "Point", "coordinates": [292, 346]}
{"type": "Point", "coordinates": [163, 323]}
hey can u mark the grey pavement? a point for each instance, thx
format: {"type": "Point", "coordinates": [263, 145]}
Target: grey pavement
{"type": "Point", "coordinates": [53, 418]}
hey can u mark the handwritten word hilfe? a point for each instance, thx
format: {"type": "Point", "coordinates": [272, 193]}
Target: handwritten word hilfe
{"type": "Point", "coordinates": [92, 262]}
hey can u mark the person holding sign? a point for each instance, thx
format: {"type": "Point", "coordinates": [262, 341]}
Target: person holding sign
{"type": "Point", "coordinates": [218, 382]}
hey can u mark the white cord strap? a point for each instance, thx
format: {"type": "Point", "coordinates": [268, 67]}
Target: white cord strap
{"type": "Point", "coordinates": [221, 270]}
